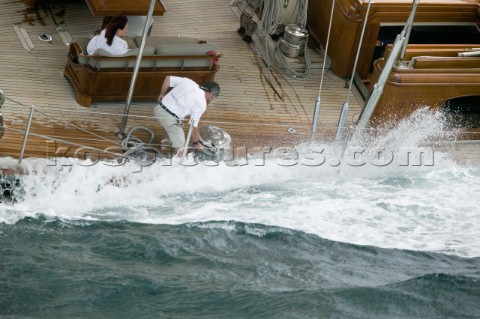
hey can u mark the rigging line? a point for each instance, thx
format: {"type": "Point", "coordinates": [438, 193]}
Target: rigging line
{"type": "Point", "coordinates": [272, 18]}
{"type": "Point", "coordinates": [358, 50]}
{"type": "Point", "coordinates": [268, 24]}
{"type": "Point", "coordinates": [88, 112]}
{"type": "Point", "coordinates": [73, 144]}
{"type": "Point", "coordinates": [268, 61]}
{"type": "Point", "coordinates": [70, 125]}
{"type": "Point", "coordinates": [152, 117]}
{"type": "Point", "coordinates": [269, 80]}
{"type": "Point", "coordinates": [303, 8]}
{"type": "Point", "coordinates": [102, 113]}
{"type": "Point", "coordinates": [53, 136]}
{"type": "Point", "coordinates": [345, 106]}
{"type": "Point", "coordinates": [283, 66]}
{"type": "Point", "coordinates": [108, 113]}
{"type": "Point", "coordinates": [256, 123]}
{"type": "Point", "coordinates": [85, 111]}
{"type": "Point", "coordinates": [316, 112]}
{"type": "Point", "coordinates": [210, 121]}
{"type": "Point", "coordinates": [19, 103]}
{"type": "Point", "coordinates": [326, 47]}
{"type": "Point", "coordinates": [78, 128]}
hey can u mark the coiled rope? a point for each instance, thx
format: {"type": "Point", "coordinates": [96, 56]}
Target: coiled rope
{"type": "Point", "coordinates": [134, 147]}
{"type": "Point", "coordinates": [272, 18]}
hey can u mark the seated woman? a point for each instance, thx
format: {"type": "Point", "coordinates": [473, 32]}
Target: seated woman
{"type": "Point", "coordinates": [109, 38]}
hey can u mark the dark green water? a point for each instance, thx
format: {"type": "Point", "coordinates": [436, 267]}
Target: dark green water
{"type": "Point", "coordinates": [56, 269]}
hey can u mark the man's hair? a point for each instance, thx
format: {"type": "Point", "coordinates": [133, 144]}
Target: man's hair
{"type": "Point", "coordinates": [212, 87]}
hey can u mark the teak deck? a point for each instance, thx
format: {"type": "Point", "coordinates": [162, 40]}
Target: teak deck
{"type": "Point", "coordinates": [248, 108]}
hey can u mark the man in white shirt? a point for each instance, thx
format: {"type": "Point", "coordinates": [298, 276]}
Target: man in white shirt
{"type": "Point", "coordinates": [186, 98]}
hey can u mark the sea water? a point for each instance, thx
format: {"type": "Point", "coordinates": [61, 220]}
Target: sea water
{"type": "Point", "coordinates": [385, 228]}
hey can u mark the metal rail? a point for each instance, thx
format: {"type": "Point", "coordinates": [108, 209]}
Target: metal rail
{"type": "Point", "coordinates": [121, 133]}
{"type": "Point", "coordinates": [345, 106]}
{"type": "Point", "coordinates": [122, 155]}
{"type": "Point", "coordinates": [25, 136]}
{"type": "Point", "coordinates": [398, 46]}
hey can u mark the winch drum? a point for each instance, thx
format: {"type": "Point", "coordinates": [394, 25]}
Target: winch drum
{"type": "Point", "coordinates": [294, 40]}
{"type": "Point", "coordinates": [215, 141]}
{"type": "Point", "coordinates": [295, 34]}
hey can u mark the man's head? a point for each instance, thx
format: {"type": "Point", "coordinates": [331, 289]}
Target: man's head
{"type": "Point", "coordinates": [211, 87]}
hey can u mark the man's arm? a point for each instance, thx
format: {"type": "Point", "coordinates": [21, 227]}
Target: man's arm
{"type": "Point", "coordinates": [165, 87]}
{"type": "Point", "coordinates": [195, 140]}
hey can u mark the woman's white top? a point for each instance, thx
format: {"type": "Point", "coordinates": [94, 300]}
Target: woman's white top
{"type": "Point", "coordinates": [118, 47]}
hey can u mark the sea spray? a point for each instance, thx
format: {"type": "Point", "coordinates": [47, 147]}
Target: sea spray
{"type": "Point", "coordinates": [421, 207]}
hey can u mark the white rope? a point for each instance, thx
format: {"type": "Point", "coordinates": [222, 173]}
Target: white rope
{"type": "Point", "coordinates": [135, 147]}
{"type": "Point", "coordinates": [302, 9]}
{"type": "Point", "coordinates": [272, 18]}
{"type": "Point", "coordinates": [269, 22]}
{"type": "Point", "coordinates": [282, 63]}
{"type": "Point", "coordinates": [67, 124]}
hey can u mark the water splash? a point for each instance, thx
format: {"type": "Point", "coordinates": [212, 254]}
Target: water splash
{"type": "Point", "coordinates": [423, 126]}
{"type": "Point", "coordinates": [425, 207]}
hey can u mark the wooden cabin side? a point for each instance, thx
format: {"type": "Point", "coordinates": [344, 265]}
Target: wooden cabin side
{"type": "Point", "coordinates": [431, 75]}
{"type": "Point", "coordinates": [348, 23]}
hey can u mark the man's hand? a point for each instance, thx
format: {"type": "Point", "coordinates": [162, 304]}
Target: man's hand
{"type": "Point", "coordinates": [199, 146]}
{"type": "Point", "coordinates": [180, 152]}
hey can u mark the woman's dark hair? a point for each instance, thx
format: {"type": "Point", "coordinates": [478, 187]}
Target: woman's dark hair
{"type": "Point", "coordinates": [105, 21]}
{"type": "Point", "coordinates": [117, 22]}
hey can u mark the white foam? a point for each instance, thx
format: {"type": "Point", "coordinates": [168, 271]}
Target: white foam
{"type": "Point", "coordinates": [420, 207]}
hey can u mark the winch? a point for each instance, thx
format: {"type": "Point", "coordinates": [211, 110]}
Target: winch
{"type": "Point", "coordinates": [215, 141]}
{"type": "Point", "coordinates": [294, 40]}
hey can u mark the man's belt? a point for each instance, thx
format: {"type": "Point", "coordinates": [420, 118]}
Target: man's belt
{"type": "Point", "coordinates": [168, 111]}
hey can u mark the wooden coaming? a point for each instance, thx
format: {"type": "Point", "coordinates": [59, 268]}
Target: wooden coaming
{"type": "Point", "coordinates": [429, 82]}
{"type": "Point", "coordinates": [348, 22]}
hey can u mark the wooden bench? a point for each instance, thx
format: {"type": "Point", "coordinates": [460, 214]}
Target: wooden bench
{"type": "Point", "coordinates": [441, 50]}
{"type": "Point", "coordinates": [434, 62]}
{"type": "Point", "coordinates": [105, 77]}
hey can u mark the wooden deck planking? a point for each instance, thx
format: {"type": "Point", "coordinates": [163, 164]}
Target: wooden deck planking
{"type": "Point", "coordinates": [247, 108]}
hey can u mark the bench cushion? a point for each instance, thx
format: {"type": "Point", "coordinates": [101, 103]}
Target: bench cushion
{"type": "Point", "coordinates": [154, 41]}
{"type": "Point", "coordinates": [185, 50]}
{"type": "Point", "coordinates": [83, 42]}
{"type": "Point", "coordinates": [131, 42]}
{"type": "Point", "coordinates": [155, 46]}
{"type": "Point", "coordinates": [118, 62]}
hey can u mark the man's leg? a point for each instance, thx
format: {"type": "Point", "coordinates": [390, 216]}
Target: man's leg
{"type": "Point", "coordinates": [172, 126]}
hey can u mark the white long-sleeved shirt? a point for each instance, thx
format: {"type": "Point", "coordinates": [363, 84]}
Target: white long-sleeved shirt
{"type": "Point", "coordinates": [185, 99]}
